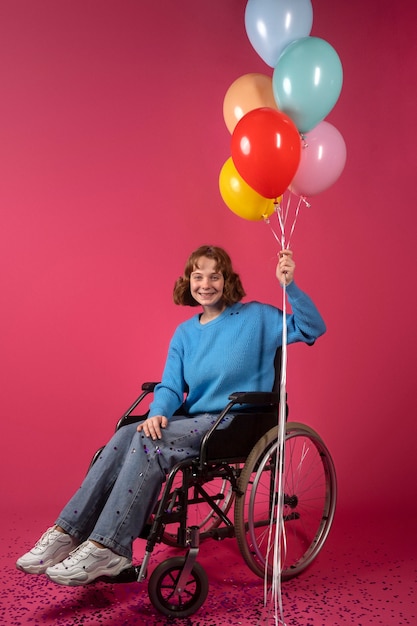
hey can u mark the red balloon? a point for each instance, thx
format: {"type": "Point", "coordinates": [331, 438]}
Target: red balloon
{"type": "Point", "coordinates": [266, 150]}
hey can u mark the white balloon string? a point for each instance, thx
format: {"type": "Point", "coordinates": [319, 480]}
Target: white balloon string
{"type": "Point", "coordinates": [287, 207]}
{"type": "Point", "coordinates": [282, 213]}
{"type": "Point", "coordinates": [274, 233]}
{"type": "Point", "coordinates": [279, 552]}
{"type": "Point", "coordinates": [276, 545]}
{"type": "Point", "coordinates": [297, 210]}
{"type": "Point", "coordinates": [281, 221]}
{"type": "Point", "coordinates": [277, 541]}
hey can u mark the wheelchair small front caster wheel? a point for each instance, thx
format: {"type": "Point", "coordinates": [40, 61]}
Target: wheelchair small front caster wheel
{"type": "Point", "coordinates": [162, 584]}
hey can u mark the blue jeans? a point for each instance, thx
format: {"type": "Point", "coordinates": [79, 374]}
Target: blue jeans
{"type": "Point", "coordinates": [121, 489]}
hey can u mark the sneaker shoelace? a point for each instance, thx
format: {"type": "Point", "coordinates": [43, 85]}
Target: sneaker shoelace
{"type": "Point", "coordinates": [46, 539]}
{"type": "Point", "coordinates": [79, 553]}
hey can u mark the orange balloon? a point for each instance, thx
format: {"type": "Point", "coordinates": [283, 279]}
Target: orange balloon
{"type": "Point", "coordinates": [240, 197]}
{"type": "Point", "coordinates": [251, 91]}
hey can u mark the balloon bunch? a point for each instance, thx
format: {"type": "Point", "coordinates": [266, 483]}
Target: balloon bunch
{"type": "Point", "coordinates": [280, 141]}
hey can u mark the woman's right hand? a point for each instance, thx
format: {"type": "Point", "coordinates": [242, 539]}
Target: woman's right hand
{"type": "Point", "coordinates": [285, 267]}
{"type": "Point", "coordinates": [151, 427]}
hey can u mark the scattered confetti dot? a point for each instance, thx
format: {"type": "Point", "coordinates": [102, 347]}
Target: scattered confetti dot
{"type": "Point", "coordinates": [366, 575]}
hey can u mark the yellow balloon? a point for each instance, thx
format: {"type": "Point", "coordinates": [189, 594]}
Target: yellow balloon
{"type": "Point", "coordinates": [240, 197]}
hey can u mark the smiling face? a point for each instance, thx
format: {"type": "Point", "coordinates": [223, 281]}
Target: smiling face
{"type": "Point", "coordinates": [206, 285]}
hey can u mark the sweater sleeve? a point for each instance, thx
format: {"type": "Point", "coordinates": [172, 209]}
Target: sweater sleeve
{"type": "Point", "coordinates": [169, 393]}
{"type": "Point", "coordinates": [305, 323]}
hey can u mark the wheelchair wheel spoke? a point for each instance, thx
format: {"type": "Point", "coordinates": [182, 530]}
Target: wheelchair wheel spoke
{"type": "Point", "coordinates": [309, 501]}
{"type": "Point", "coordinates": [163, 582]}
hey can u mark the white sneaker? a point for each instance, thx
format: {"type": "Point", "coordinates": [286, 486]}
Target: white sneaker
{"type": "Point", "coordinates": [51, 548]}
{"type": "Point", "coordinates": [87, 563]}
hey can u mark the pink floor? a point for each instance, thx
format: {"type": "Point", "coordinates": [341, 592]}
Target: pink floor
{"type": "Point", "coordinates": [365, 575]}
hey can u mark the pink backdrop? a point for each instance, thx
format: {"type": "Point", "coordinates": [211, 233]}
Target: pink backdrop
{"type": "Point", "coordinates": [111, 141]}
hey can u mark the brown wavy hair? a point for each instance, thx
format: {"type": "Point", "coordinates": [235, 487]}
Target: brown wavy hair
{"type": "Point", "coordinates": [233, 290]}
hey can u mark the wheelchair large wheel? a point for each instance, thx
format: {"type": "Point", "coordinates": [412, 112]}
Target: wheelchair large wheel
{"type": "Point", "coordinates": [309, 501]}
{"type": "Point", "coordinates": [201, 514]}
{"type": "Point", "coordinates": [162, 585]}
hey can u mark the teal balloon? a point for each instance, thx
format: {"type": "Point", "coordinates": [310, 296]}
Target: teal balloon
{"type": "Point", "coordinates": [307, 81]}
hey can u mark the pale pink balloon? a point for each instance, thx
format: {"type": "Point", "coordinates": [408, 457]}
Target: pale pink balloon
{"type": "Point", "coordinates": [323, 159]}
{"type": "Point", "coordinates": [250, 91]}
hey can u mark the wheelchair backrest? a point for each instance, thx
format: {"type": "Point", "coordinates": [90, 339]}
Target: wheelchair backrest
{"type": "Point", "coordinates": [234, 443]}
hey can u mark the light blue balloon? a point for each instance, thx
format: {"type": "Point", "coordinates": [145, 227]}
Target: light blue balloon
{"type": "Point", "coordinates": [307, 81]}
{"type": "Point", "coordinates": [273, 24]}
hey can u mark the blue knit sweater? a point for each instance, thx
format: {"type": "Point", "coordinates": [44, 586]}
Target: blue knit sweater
{"type": "Point", "coordinates": [233, 352]}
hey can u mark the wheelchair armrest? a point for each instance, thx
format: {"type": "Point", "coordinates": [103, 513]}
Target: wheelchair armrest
{"type": "Point", "coordinates": [255, 397]}
{"type": "Point", "coordinates": [149, 387]}
{"type": "Point", "coordinates": [128, 417]}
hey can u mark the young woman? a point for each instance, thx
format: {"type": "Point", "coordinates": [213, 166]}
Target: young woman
{"type": "Point", "coordinates": [229, 346]}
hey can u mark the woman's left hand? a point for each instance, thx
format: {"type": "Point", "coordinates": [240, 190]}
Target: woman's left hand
{"type": "Point", "coordinates": [151, 427]}
{"type": "Point", "coordinates": [285, 267]}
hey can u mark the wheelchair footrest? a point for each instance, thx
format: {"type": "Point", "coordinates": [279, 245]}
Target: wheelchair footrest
{"type": "Point", "coordinates": [127, 575]}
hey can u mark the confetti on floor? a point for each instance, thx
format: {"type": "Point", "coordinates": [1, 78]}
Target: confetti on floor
{"type": "Point", "coordinates": [366, 575]}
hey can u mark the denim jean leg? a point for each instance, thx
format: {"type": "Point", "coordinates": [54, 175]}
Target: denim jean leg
{"type": "Point", "coordinates": [80, 514]}
{"type": "Point", "coordinates": [140, 479]}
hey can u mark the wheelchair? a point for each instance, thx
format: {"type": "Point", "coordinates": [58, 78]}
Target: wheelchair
{"type": "Point", "coordinates": [229, 491]}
